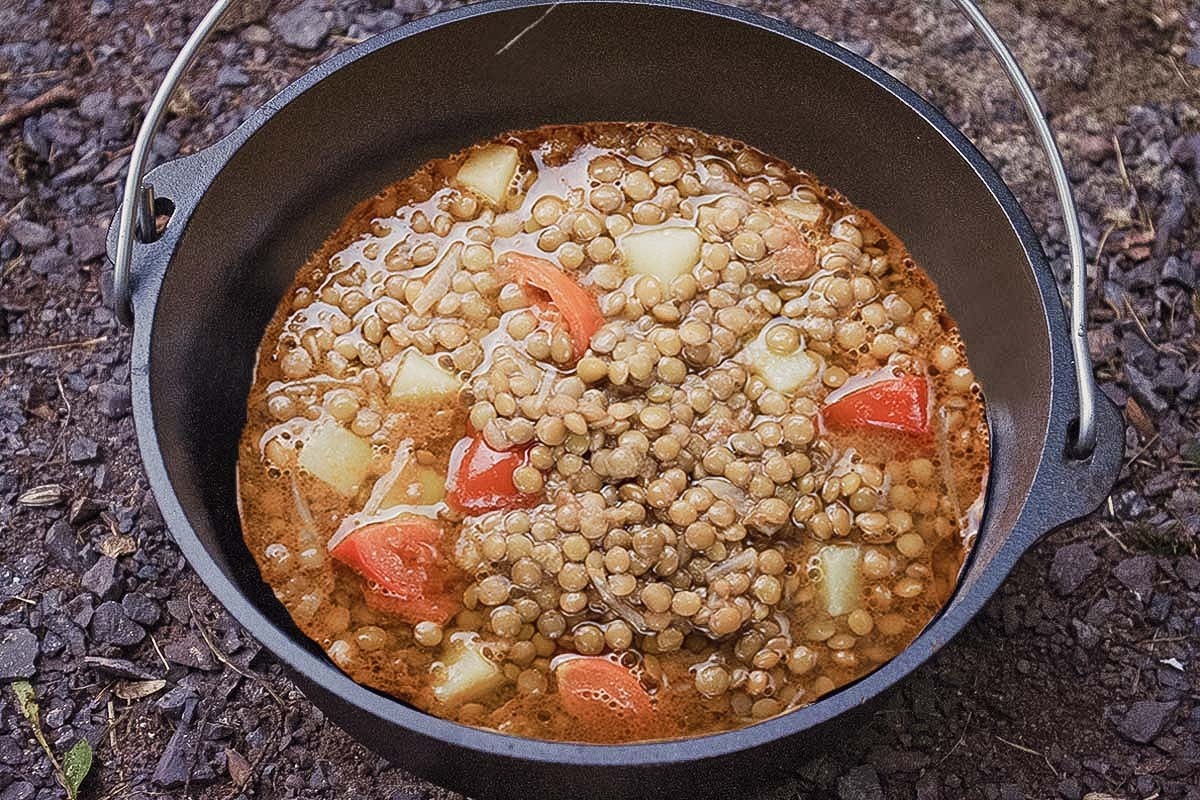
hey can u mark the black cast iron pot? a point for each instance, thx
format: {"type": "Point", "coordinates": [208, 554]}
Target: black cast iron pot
{"type": "Point", "coordinates": [251, 208]}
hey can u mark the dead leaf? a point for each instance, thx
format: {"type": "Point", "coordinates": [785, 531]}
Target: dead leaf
{"type": "Point", "coordinates": [136, 690]}
{"type": "Point", "coordinates": [238, 766]}
{"type": "Point", "coordinates": [117, 545]}
{"type": "Point", "coordinates": [1138, 418]}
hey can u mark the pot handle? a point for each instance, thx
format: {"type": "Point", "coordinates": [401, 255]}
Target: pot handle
{"type": "Point", "coordinates": [137, 207]}
{"type": "Point", "coordinates": [136, 221]}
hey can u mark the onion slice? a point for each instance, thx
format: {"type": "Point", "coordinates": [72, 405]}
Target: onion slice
{"type": "Point", "coordinates": [440, 281]}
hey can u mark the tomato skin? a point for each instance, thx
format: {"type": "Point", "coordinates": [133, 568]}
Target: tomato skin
{"type": "Point", "coordinates": [574, 304]}
{"type": "Point", "coordinates": [402, 564]}
{"type": "Point", "coordinates": [481, 479]}
{"type": "Point", "coordinates": [605, 697]}
{"type": "Point", "coordinates": [896, 404]}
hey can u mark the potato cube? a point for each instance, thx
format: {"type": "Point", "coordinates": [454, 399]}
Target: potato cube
{"type": "Point", "coordinates": [419, 378]}
{"type": "Point", "coordinates": [840, 583]}
{"type": "Point", "coordinates": [420, 486]}
{"type": "Point", "coordinates": [336, 456]}
{"type": "Point", "coordinates": [489, 171]}
{"type": "Point", "coordinates": [465, 675]}
{"type": "Point", "coordinates": [785, 374]}
{"type": "Point", "coordinates": [665, 253]}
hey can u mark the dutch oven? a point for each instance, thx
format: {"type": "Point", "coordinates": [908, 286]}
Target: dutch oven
{"type": "Point", "coordinates": [246, 212]}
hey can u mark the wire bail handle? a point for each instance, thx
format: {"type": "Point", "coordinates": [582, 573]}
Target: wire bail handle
{"type": "Point", "coordinates": [137, 207]}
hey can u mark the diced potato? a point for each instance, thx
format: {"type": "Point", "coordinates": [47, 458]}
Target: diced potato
{"type": "Point", "coordinates": [840, 583]}
{"type": "Point", "coordinates": [785, 374]}
{"type": "Point", "coordinates": [421, 486]}
{"type": "Point", "coordinates": [489, 171]}
{"type": "Point", "coordinates": [665, 253]}
{"type": "Point", "coordinates": [466, 674]}
{"type": "Point", "coordinates": [418, 378]}
{"type": "Point", "coordinates": [337, 457]}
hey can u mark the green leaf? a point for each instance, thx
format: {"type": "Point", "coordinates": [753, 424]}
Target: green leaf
{"type": "Point", "coordinates": [26, 700]}
{"type": "Point", "coordinates": [76, 765]}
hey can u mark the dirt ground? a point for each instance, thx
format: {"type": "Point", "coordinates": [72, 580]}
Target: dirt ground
{"type": "Point", "coordinates": [1080, 679]}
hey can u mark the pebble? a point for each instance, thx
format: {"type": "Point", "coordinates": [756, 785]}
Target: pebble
{"type": "Point", "coordinates": [111, 625]}
{"type": "Point", "coordinates": [860, 783]}
{"type": "Point", "coordinates": [1072, 565]}
{"type": "Point", "coordinates": [191, 652]}
{"type": "Point", "coordinates": [1145, 720]}
{"type": "Point", "coordinates": [18, 650]}
{"type": "Point", "coordinates": [101, 578]}
{"type": "Point", "coordinates": [1137, 575]}
{"type": "Point", "coordinates": [114, 400]}
{"type": "Point", "coordinates": [62, 546]}
{"type": "Point", "coordinates": [81, 449]}
{"type": "Point", "coordinates": [305, 26]}
{"type": "Point", "coordinates": [31, 236]}
{"type": "Point", "coordinates": [232, 76]}
{"type": "Point", "coordinates": [88, 243]}
{"type": "Point", "coordinates": [140, 608]}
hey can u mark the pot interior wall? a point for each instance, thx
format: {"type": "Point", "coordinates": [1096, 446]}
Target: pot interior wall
{"type": "Point", "coordinates": [373, 121]}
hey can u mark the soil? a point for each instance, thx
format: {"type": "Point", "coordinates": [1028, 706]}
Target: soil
{"type": "Point", "coordinates": [1080, 679]}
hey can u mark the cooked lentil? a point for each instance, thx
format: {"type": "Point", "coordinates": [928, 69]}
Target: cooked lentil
{"type": "Point", "coordinates": [680, 503]}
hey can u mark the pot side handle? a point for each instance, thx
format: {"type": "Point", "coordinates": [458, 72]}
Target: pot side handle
{"type": "Point", "coordinates": [1070, 487]}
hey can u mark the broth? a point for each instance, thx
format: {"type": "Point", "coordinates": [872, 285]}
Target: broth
{"type": "Point", "coordinates": [609, 433]}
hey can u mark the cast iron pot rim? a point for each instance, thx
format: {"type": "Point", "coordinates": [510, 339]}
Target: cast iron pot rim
{"type": "Point", "coordinates": [194, 174]}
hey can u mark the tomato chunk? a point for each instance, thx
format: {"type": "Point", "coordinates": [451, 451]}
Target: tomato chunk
{"type": "Point", "coordinates": [606, 698]}
{"type": "Point", "coordinates": [402, 563]}
{"type": "Point", "coordinates": [481, 479]}
{"type": "Point", "coordinates": [896, 404]}
{"type": "Point", "coordinates": [574, 304]}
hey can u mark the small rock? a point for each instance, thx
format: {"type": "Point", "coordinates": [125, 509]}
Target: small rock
{"type": "Point", "coordinates": [51, 261]}
{"type": "Point", "coordinates": [18, 649]}
{"type": "Point", "coordinates": [190, 652]}
{"type": "Point", "coordinates": [110, 625]}
{"type": "Point", "coordinates": [114, 400]}
{"type": "Point", "coordinates": [1145, 720]}
{"type": "Point", "coordinates": [1072, 565]}
{"type": "Point", "coordinates": [305, 26]}
{"type": "Point", "coordinates": [1180, 271]}
{"type": "Point", "coordinates": [860, 783]}
{"type": "Point", "coordinates": [81, 449]}
{"type": "Point", "coordinates": [101, 578]}
{"type": "Point", "coordinates": [232, 76]}
{"type": "Point", "coordinates": [256, 34]}
{"type": "Point", "coordinates": [1137, 575]}
{"type": "Point", "coordinates": [30, 235]}
{"type": "Point", "coordinates": [1142, 387]}
{"type": "Point", "coordinates": [62, 546]}
{"type": "Point", "coordinates": [1188, 569]}
{"type": "Point", "coordinates": [95, 105]}
{"type": "Point", "coordinates": [1087, 635]}
{"type": "Point", "coordinates": [177, 764]}
{"type": "Point", "coordinates": [88, 243]}
{"type": "Point", "coordinates": [19, 790]}
{"type": "Point", "coordinates": [141, 609]}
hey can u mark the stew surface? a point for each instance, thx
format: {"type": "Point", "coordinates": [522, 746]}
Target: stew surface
{"type": "Point", "coordinates": [609, 433]}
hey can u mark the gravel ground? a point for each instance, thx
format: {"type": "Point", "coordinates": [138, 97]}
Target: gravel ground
{"type": "Point", "coordinates": [1081, 678]}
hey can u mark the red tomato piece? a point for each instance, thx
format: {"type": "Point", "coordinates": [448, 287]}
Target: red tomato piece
{"type": "Point", "coordinates": [896, 404]}
{"type": "Point", "coordinates": [481, 479]}
{"type": "Point", "coordinates": [574, 304]}
{"type": "Point", "coordinates": [605, 697]}
{"type": "Point", "coordinates": [402, 563]}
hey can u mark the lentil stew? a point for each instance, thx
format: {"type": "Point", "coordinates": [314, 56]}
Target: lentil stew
{"type": "Point", "coordinates": [610, 433]}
